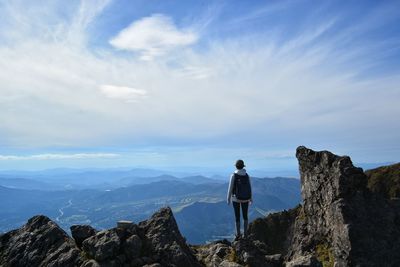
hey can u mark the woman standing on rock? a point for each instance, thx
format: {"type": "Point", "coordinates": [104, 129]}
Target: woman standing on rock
{"type": "Point", "coordinates": [239, 192]}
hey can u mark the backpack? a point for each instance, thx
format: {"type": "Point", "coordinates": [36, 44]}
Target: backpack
{"type": "Point", "coordinates": [241, 187]}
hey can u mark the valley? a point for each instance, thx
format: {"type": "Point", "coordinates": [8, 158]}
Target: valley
{"type": "Point", "coordinates": [198, 202]}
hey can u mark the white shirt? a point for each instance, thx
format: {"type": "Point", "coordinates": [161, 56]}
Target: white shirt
{"type": "Point", "coordinates": [231, 197]}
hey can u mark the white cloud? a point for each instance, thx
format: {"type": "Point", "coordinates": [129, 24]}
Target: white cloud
{"type": "Point", "coordinates": [123, 93]}
{"type": "Point", "coordinates": [196, 73]}
{"type": "Point", "coordinates": [243, 90]}
{"type": "Point", "coordinates": [153, 36]}
{"type": "Point", "coordinates": [60, 156]}
{"type": "Point", "coordinates": [87, 12]}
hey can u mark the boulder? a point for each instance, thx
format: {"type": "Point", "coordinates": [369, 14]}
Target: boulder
{"type": "Point", "coordinates": [132, 247]}
{"type": "Point", "coordinates": [165, 241]}
{"type": "Point", "coordinates": [274, 232]}
{"type": "Point", "coordinates": [102, 246]}
{"type": "Point", "coordinates": [40, 242]}
{"type": "Point", "coordinates": [82, 232]}
{"type": "Point", "coordinates": [215, 253]}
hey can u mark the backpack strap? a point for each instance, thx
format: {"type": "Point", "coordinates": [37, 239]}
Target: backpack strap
{"type": "Point", "coordinates": [234, 183]}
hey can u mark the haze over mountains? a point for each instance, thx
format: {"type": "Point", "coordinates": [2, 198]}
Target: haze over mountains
{"type": "Point", "coordinates": [348, 217]}
{"type": "Point", "coordinates": [101, 197]}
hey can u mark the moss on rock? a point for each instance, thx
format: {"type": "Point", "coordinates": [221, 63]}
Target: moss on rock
{"type": "Point", "coordinates": [324, 255]}
{"type": "Point", "coordinates": [385, 180]}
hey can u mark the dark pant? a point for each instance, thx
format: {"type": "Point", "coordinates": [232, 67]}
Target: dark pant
{"type": "Point", "coordinates": [245, 208]}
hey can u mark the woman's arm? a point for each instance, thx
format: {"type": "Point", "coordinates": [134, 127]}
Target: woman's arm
{"type": "Point", "coordinates": [251, 191]}
{"type": "Point", "coordinates": [230, 189]}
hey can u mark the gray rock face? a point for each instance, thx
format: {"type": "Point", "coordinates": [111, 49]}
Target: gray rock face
{"type": "Point", "coordinates": [243, 252]}
{"type": "Point", "coordinates": [116, 247]}
{"type": "Point", "coordinates": [274, 232]}
{"type": "Point", "coordinates": [82, 232]}
{"type": "Point", "coordinates": [40, 242]}
{"type": "Point", "coordinates": [165, 241]}
{"type": "Point", "coordinates": [132, 247]}
{"type": "Point", "coordinates": [152, 242]}
{"type": "Point", "coordinates": [155, 242]}
{"type": "Point", "coordinates": [214, 254]}
{"type": "Point", "coordinates": [341, 222]}
{"type": "Point", "coordinates": [252, 253]}
{"type": "Point", "coordinates": [102, 246]}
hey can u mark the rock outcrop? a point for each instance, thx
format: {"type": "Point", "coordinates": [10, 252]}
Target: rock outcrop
{"type": "Point", "coordinates": [163, 239]}
{"type": "Point", "coordinates": [82, 232]}
{"type": "Point", "coordinates": [385, 180]}
{"type": "Point", "coordinates": [243, 252]}
{"type": "Point", "coordinates": [155, 242]}
{"type": "Point", "coordinates": [275, 230]}
{"type": "Point", "coordinates": [40, 242]}
{"type": "Point", "coordinates": [341, 222]}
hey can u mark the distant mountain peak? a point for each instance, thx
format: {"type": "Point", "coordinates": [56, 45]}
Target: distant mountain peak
{"type": "Point", "coordinates": [341, 223]}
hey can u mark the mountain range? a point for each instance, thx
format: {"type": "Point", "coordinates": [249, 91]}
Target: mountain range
{"type": "Point", "coordinates": [129, 197]}
{"type": "Point", "coordinates": [346, 218]}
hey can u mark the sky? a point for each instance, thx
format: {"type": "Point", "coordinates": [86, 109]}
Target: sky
{"type": "Point", "coordinates": [197, 84]}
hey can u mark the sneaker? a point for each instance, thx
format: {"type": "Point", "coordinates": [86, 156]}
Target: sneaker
{"type": "Point", "coordinates": [238, 237]}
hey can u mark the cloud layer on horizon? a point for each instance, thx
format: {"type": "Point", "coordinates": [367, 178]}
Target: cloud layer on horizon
{"type": "Point", "coordinates": [60, 156]}
{"type": "Point", "coordinates": [256, 90]}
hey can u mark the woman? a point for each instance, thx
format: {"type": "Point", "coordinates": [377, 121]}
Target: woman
{"type": "Point", "coordinates": [239, 193]}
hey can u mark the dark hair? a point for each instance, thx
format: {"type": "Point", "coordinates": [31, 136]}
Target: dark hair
{"type": "Point", "coordinates": [239, 164]}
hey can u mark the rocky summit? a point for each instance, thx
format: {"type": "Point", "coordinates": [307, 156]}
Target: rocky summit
{"type": "Point", "coordinates": [343, 221]}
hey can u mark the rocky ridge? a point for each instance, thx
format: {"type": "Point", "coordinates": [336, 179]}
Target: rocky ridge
{"type": "Point", "coordinates": [341, 223]}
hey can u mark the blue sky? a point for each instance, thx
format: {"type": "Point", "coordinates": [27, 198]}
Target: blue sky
{"type": "Point", "coordinates": [181, 84]}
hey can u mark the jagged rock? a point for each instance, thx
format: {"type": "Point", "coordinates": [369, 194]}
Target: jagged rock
{"type": "Point", "coordinates": [116, 246]}
{"type": "Point", "coordinates": [132, 247]}
{"type": "Point", "coordinates": [165, 240]}
{"type": "Point", "coordinates": [275, 259]}
{"type": "Point", "coordinates": [91, 263]}
{"type": "Point", "coordinates": [40, 242]}
{"type": "Point", "coordinates": [273, 233]}
{"type": "Point", "coordinates": [385, 180]}
{"type": "Point", "coordinates": [124, 224]}
{"type": "Point", "coordinates": [82, 232]}
{"type": "Point", "coordinates": [226, 263]}
{"type": "Point", "coordinates": [304, 261]}
{"type": "Point", "coordinates": [341, 222]}
{"type": "Point", "coordinates": [249, 254]}
{"type": "Point", "coordinates": [102, 246]}
{"type": "Point", "coordinates": [215, 253]}
{"type": "Point", "coordinates": [156, 242]}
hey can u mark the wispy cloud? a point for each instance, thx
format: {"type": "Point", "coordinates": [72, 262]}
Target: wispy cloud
{"type": "Point", "coordinates": [60, 156]}
{"type": "Point", "coordinates": [250, 89]}
{"type": "Point", "coordinates": [87, 12]}
{"type": "Point", "coordinates": [126, 94]}
{"type": "Point", "coordinates": [153, 36]}
{"type": "Point", "coordinates": [268, 9]}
